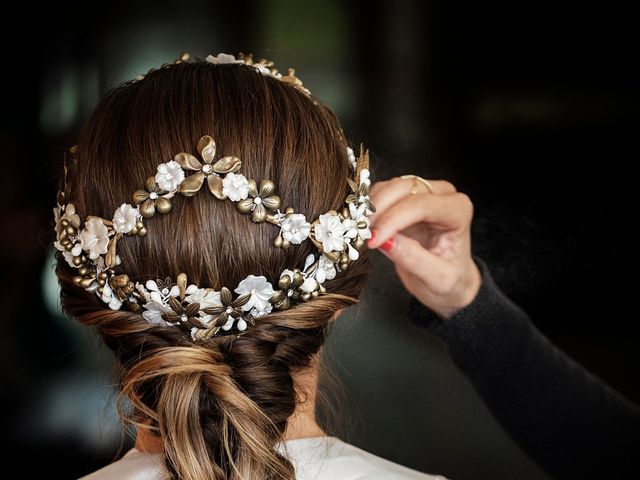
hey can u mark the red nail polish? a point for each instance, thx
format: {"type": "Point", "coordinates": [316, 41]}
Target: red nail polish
{"type": "Point", "coordinates": [372, 239]}
{"type": "Point", "coordinates": [388, 245]}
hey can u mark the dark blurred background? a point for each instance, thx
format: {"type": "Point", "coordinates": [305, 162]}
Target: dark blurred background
{"type": "Point", "coordinates": [530, 108]}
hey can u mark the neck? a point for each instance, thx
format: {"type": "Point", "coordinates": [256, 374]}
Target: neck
{"type": "Point", "coordinates": [302, 423]}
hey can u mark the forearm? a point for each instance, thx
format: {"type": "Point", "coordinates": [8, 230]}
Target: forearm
{"type": "Point", "coordinates": [568, 420]}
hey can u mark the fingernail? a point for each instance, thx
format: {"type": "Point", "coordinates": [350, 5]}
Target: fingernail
{"type": "Point", "coordinates": [388, 245]}
{"type": "Point", "coordinates": [371, 240]}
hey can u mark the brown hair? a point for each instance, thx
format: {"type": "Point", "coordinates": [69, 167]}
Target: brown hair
{"type": "Point", "coordinates": [220, 405]}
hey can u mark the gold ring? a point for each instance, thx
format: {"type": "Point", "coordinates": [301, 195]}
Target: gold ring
{"type": "Point", "coordinates": [416, 179]}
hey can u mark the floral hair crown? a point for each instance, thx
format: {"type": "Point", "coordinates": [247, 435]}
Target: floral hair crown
{"type": "Point", "coordinates": [91, 246]}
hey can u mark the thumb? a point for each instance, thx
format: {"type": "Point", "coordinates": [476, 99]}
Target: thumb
{"type": "Point", "coordinates": [408, 254]}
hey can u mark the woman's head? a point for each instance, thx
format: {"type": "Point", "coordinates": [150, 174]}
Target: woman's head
{"type": "Point", "coordinates": [222, 404]}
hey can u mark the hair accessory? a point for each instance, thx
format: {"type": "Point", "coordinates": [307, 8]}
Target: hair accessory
{"type": "Point", "coordinates": [264, 66]}
{"type": "Point", "coordinates": [91, 246]}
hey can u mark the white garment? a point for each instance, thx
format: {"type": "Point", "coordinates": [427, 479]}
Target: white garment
{"type": "Point", "coordinates": [315, 458]}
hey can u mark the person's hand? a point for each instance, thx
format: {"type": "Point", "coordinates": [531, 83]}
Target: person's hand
{"type": "Point", "coordinates": [427, 236]}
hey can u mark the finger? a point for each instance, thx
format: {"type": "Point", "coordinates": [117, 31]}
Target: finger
{"type": "Point", "coordinates": [408, 255]}
{"type": "Point", "coordinates": [450, 212]}
{"type": "Point", "coordinates": [386, 193]}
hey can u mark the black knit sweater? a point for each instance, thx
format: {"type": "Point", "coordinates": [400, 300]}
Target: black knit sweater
{"type": "Point", "coordinates": [568, 420]}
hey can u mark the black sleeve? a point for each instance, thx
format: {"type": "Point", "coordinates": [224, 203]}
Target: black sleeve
{"type": "Point", "coordinates": [568, 420]}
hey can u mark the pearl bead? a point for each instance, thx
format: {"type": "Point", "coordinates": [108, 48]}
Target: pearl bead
{"type": "Point", "coordinates": [207, 168]}
{"type": "Point", "coordinates": [153, 195]}
{"type": "Point", "coordinates": [229, 309]}
{"type": "Point", "coordinates": [165, 291]}
{"type": "Point", "coordinates": [257, 200]}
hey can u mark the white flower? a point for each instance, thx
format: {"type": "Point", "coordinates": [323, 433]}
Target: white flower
{"type": "Point", "coordinates": [330, 232]}
{"type": "Point", "coordinates": [169, 175]}
{"type": "Point", "coordinates": [364, 177]}
{"type": "Point", "coordinates": [156, 300]}
{"type": "Point", "coordinates": [94, 238]}
{"type": "Point", "coordinates": [125, 218]}
{"type": "Point", "coordinates": [261, 291]}
{"type": "Point", "coordinates": [350, 229]}
{"type": "Point", "coordinates": [358, 214]}
{"type": "Point", "coordinates": [161, 296]}
{"type": "Point", "coordinates": [295, 228]}
{"type": "Point", "coordinates": [352, 157]}
{"type": "Point", "coordinates": [223, 58]}
{"type": "Point", "coordinates": [326, 270]}
{"type": "Point", "coordinates": [153, 312]}
{"type": "Point", "coordinates": [206, 297]}
{"type": "Point", "coordinates": [235, 186]}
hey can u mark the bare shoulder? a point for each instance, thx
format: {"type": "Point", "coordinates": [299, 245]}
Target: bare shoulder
{"type": "Point", "coordinates": [134, 465]}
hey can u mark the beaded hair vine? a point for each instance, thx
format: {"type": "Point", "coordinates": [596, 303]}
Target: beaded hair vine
{"type": "Point", "coordinates": [339, 236]}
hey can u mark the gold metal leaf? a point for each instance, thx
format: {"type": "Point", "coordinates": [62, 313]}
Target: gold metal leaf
{"type": "Point", "coordinates": [245, 205]}
{"type": "Point", "coordinates": [163, 205]}
{"type": "Point", "coordinates": [139, 196]}
{"type": "Point", "coordinates": [181, 281]}
{"type": "Point", "coordinates": [214, 182]}
{"type": "Point", "coordinates": [276, 297]}
{"type": "Point", "coordinates": [363, 162]}
{"type": "Point", "coordinates": [148, 208]}
{"type": "Point", "coordinates": [110, 257]}
{"type": "Point", "coordinates": [192, 184]}
{"type": "Point", "coordinates": [353, 185]}
{"type": "Point", "coordinates": [150, 183]}
{"type": "Point", "coordinates": [284, 282]}
{"type": "Point", "coordinates": [271, 202]}
{"type": "Point", "coordinates": [188, 161]}
{"type": "Point", "coordinates": [253, 189]}
{"type": "Point", "coordinates": [241, 300]}
{"type": "Point", "coordinates": [222, 319]}
{"type": "Point", "coordinates": [259, 213]}
{"type": "Point", "coordinates": [174, 303]}
{"type": "Point", "coordinates": [192, 309]}
{"type": "Point", "coordinates": [225, 296]}
{"type": "Point", "coordinates": [213, 310]}
{"type": "Point", "coordinates": [267, 187]}
{"type": "Point", "coordinates": [207, 148]}
{"type": "Point", "coordinates": [227, 164]}
{"type": "Point", "coordinates": [283, 304]}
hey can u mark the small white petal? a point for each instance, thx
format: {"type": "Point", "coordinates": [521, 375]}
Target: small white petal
{"type": "Point", "coordinates": [309, 261]}
{"type": "Point", "coordinates": [309, 285]}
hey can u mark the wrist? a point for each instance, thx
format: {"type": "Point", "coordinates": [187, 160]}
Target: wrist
{"type": "Point", "coordinates": [466, 293]}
